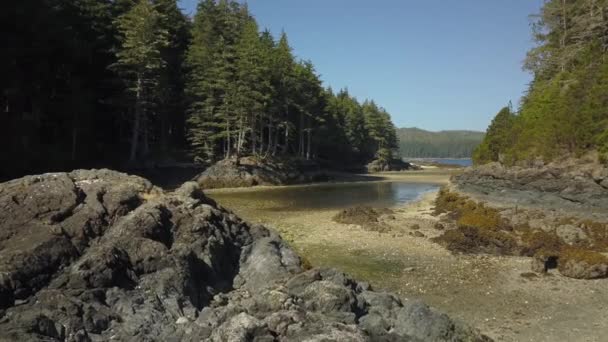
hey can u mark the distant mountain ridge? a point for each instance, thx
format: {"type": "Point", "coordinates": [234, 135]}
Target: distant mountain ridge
{"type": "Point", "coordinates": [418, 143]}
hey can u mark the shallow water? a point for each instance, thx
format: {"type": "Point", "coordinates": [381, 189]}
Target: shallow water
{"type": "Point", "coordinates": [324, 197]}
{"type": "Point", "coordinates": [465, 162]}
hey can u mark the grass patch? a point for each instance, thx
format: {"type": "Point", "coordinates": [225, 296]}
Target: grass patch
{"type": "Point", "coordinates": [597, 233]}
{"type": "Point", "coordinates": [469, 239]}
{"type": "Point", "coordinates": [480, 229]}
{"type": "Point", "coordinates": [534, 242]}
{"type": "Point", "coordinates": [362, 264]}
{"type": "Point", "coordinates": [582, 255]}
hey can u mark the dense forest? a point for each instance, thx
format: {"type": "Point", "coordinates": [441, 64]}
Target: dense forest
{"type": "Point", "coordinates": [418, 143]}
{"type": "Point", "coordinates": [115, 83]}
{"type": "Point", "coordinates": [565, 111]}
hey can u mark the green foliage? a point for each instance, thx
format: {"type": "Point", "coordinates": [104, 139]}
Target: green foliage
{"type": "Point", "coordinates": [90, 83]}
{"type": "Point", "coordinates": [564, 112]}
{"type": "Point", "coordinates": [65, 94]}
{"type": "Point", "coordinates": [250, 95]}
{"type": "Point", "coordinates": [418, 143]}
{"type": "Point", "coordinates": [140, 62]}
{"type": "Point", "coordinates": [497, 139]}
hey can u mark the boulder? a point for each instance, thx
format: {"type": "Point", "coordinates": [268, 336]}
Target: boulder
{"type": "Point", "coordinates": [582, 264]}
{"type": "Point", "coordinates": [99, 255]}
{"type": "Point", "coordinates": [570, 234]}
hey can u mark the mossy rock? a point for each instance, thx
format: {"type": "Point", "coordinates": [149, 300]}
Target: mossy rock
{"type": "Point", "coordinates": [366, 217]}
{"type": "Point", "coordinates": [467, 239]}
{"type": "Point", "coordinates": [582, 264]}
{"type": "Point", "coordinates": [535, 242]}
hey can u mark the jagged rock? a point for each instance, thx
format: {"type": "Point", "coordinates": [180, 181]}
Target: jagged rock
{"type": "Point", "coordinates": [99, 255]}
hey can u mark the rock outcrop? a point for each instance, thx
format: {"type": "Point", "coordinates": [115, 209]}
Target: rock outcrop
{"type": "Point", "coordinates": [99, 255]}
{"type": "Point", "coordinates": [247, 172]}
{"type": "Point", "coordinates": [392, 165]}
{"type": "Point", "coordinates": [571, 184]}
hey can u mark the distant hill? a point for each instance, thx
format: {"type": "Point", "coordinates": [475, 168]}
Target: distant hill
{"type": "Point", "coordinates": [418, 143]}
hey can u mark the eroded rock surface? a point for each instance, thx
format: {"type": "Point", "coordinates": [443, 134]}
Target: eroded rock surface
{"type": "Point", "coordinates": [99, 255]}
{"type": "Point", "coordinates": [570, 184]}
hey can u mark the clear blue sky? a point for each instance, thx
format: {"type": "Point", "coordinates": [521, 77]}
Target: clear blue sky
{"type": "Point", "coordinates": [433, 64]}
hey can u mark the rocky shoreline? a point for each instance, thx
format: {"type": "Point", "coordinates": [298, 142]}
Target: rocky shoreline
{"type": "Point", "coordinates": [555, 213]}
{"type": "Point", "coordinates": [574, 185]}
{"type": "Point", "coordinates": [99, 255]}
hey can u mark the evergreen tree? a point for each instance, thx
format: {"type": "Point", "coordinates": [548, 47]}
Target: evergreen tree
{"type": "Point", "coordinates": [85, 80]}
{"type": "Point", "coordinates": [140, 62]}
{"type": "Point", "coordinates": [171, 100]}
{"type": "Point", "coordinates": [283, 67]}
{"type": "Point", "coordinates": [563, 113]}
{"type": "Point", "coordinates": [250, 86]}
{"type": "Point", "coordinates": [498, 137]}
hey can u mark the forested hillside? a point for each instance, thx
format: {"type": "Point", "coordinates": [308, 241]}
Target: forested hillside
{"type": "Point", "coordinates": [418, 143]}
{"type": "Point", "coordinates": [125, 82]}
{"type": "Point", "coordinates": [565, 111]}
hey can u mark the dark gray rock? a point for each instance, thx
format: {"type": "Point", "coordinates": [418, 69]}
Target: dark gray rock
{"type": "Point", "coordinates": [99, 256]}
{"type": "Point", "coordinates": [569, 184]}
{"type": "Point", "coordinates": [391, 165]}
{"type": "Point", "coordinates": [247, 172]}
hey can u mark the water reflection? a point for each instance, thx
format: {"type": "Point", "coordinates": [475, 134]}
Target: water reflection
{"type": "Point", "coordinates": [328, 196]}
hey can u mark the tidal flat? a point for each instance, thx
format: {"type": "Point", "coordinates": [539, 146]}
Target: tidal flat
{"type": "Point", "coordinates": [496, 294]}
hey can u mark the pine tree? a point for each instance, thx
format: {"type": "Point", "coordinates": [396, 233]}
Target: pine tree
{"type": "Point", "coordinates": [250, 85]}
{"type": "Point", "coordinates": [140, 62]}
{"type": "Point", "coordinates": [171, 100]}
{"type": "Point", "coordinates": [283, 82]}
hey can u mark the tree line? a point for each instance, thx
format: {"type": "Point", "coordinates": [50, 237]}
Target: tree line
{"type": "Point", "coordinates": [418, 143]}
{"type": "Point", "coordinates": [115, 82]}
{"type": "Point", "coordinates": [564, 111]}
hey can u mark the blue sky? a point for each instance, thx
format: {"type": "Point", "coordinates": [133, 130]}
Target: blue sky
{"type": "Point", "coordinates": [433, 64]}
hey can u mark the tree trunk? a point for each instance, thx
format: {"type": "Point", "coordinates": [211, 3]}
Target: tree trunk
{"type": "Point", "coordinates": [239, 141]}
{"type": "Point", "coordinates": [301, 146]}
{"type": "Point", "coordinates": [228, 142]}
{"type": "Point", "coordinates": [286, 145]}
{"type": "Point", "coordinates": [74, 141]}
{"type": "Point", "coordinates": [269, 142]}
{"type": "Point", "coordinates": [254, 138]}
{"type": "Point", "coordinates": [309, 131]}
{"type": "Point", "coordinates": [135, 132]}
{"type": "Point", "coordinates": [145, 128]}
{"type": "Point", "coordinates": [164, 132]}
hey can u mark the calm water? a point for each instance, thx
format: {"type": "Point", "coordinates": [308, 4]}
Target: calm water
{"type": "Point", "coordinates": [326, 196]}
{"type": "Point", "coordinates": [460, 162]}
